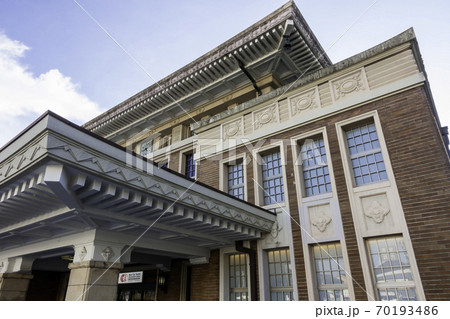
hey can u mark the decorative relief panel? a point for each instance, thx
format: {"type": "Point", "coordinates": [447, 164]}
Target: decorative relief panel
{"type": "Point", "coordinates": [267, 115]}
{"type": "Point", "coordinates": [321, 221]}
{"type": "Point", "coordinates": [279, 235]}
{"type": "Point", "coordinates": [349, 84]}
{"type": "Point", "coordinates": [377, 212]}
{"type": "Point", "coordinates": [232, 129]}
{"type": "Point", "coordinates": [304, 102]}
{"type": "Point", "coordinates": [276, 229]}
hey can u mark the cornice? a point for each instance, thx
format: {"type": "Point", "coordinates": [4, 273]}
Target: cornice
{"type": "Point", "coordinates": [257, 30]}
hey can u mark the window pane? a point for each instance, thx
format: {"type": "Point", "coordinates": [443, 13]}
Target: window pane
{"type": "Point", "coordinates": [280, 275]}
{"type": "Point", "coordinates": [315, 169]}
{"type": "Point", "coordinates": [238, 277]}
{"type": "Point", "coordinates": [189, 170]}
{"type": "Point", "coordinates": [390, 265]}
{"type": "Point", "coordinates": [236, 180]}
{"type": "Point", "coordinates": [273, 186]}
{"type": "Point", "coordinates": [366, 157]}
{"type": "Point", "coordinates": [329, 268]}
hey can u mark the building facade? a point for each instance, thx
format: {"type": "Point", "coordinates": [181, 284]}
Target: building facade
{"type": "Point", "coordinates": [260, 171]}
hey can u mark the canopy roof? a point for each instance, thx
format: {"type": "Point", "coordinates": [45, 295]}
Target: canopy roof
{"type": "Point", "coordinates": [58, 179]}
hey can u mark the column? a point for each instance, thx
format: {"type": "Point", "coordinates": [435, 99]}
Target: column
{"type": "Point", "coordinates": [93, 280]}
{"type": "Point", "coordinates": [14, 286]}
{"type": "Point", "coordinates": [94, 272]}
{"type": "Point", "coordinates": [15, 278]}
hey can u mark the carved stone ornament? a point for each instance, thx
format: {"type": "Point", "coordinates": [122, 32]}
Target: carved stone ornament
{"type": "Point", "coordinates": [276, 229]}
{"type": "Point", "coordinates": [349, 84]}
{"type": "Point", "coordinates": [377, 212]}
{"type": "Point", "coordinates": [231, 129]}
{"type": "Point", "coordinates": [265, 116]}
{"type": "Point", "coordinates": [106, 253]}
{"type": "Point", "coordinates": [83, 253]}
{"type": "Point", "coordinates": [321, 221]}
{"type": "Point", "coordinates": [303, 102]}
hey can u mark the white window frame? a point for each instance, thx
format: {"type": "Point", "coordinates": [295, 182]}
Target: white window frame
{"type": "Point", "coordinates": [346, 158]}
{"type": "Point", "coordinates": [267, 266]}
{"type": "Point", "coordinates": [390, 188]}
{"type": "Point", "coordinates": [223, 172]}
{"type": "Point", "coordinates": [298, 169]}
{"type": "Point", "coordinates": [304, 202]}
{"type": "Point", "coordinates": [393, 284]}
{"type": "Point", "coordinates": [317, 287]}
{"type": "Point", "coordinates": [224, 283]}
{"type": "Point", "coordinates": [257, 173]}
{"type": "Point", "coordinates": [359, 155]}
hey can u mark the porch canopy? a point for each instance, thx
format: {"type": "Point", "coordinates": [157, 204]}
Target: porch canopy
{"type": "Point", "coordinates": [63, 186]}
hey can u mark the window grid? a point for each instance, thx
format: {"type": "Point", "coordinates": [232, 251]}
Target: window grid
{"type": "Point", "coordinates": [189, 170]}
{"type": "Point", "coordinates": [236, 180]}
{"type": "Point", "coordinates": [330, 272]}
{"type": "Point", "coordinates": [316, 177]}
{"type": "Point", "coordinates": [238, 287]}
{"type": "Point", "coordinates": [280, 275]}
{"type": "Point", "coordinates": [272, 177]}
{"type": "Point", "coordinates": [391, 269]}
{"type": "Point", "coordinates": [365, 153]}
{"type": "Point", "coordinates": [146, 147]}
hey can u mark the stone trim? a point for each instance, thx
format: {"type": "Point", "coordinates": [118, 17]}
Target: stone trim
{"type": "Point", "coordinates": [16, 275]}
{"type": "Point", "coordinates": [95, 264]}
{"type": "Point", "coordinates": [402, 38]}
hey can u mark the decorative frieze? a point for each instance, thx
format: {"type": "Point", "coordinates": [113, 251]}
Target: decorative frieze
{"type": "Point", "coordinates": [349, 84]}
{"type": "Point", "coordinates": [304, 102]}
{"type": "Point", "coordinates": [265, 116]}
{"type": "Point", "coordinates": [232, 129]}
{"type": "Point", "coordinates": [87, 159]}
{"type": "Point", "coordinates": [22, 159]}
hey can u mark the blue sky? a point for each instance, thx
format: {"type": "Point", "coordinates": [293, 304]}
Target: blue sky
{"type": "Point", "coordinates": [53, 56]}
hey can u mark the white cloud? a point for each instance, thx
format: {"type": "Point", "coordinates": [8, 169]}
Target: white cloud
{"type": "Point", "coordinates": [24, 96]}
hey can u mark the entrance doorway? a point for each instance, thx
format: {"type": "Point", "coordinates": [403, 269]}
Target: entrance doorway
{"type": "Point", "coordinates": [50, 279]}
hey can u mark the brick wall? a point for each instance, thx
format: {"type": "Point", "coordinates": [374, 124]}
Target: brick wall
{"type": "Point", "coordinates": [205, 279]}
{"type": "Point", "coordinates": [422, 173]}
{"type": "Point", "coordinates": [174, 161]}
